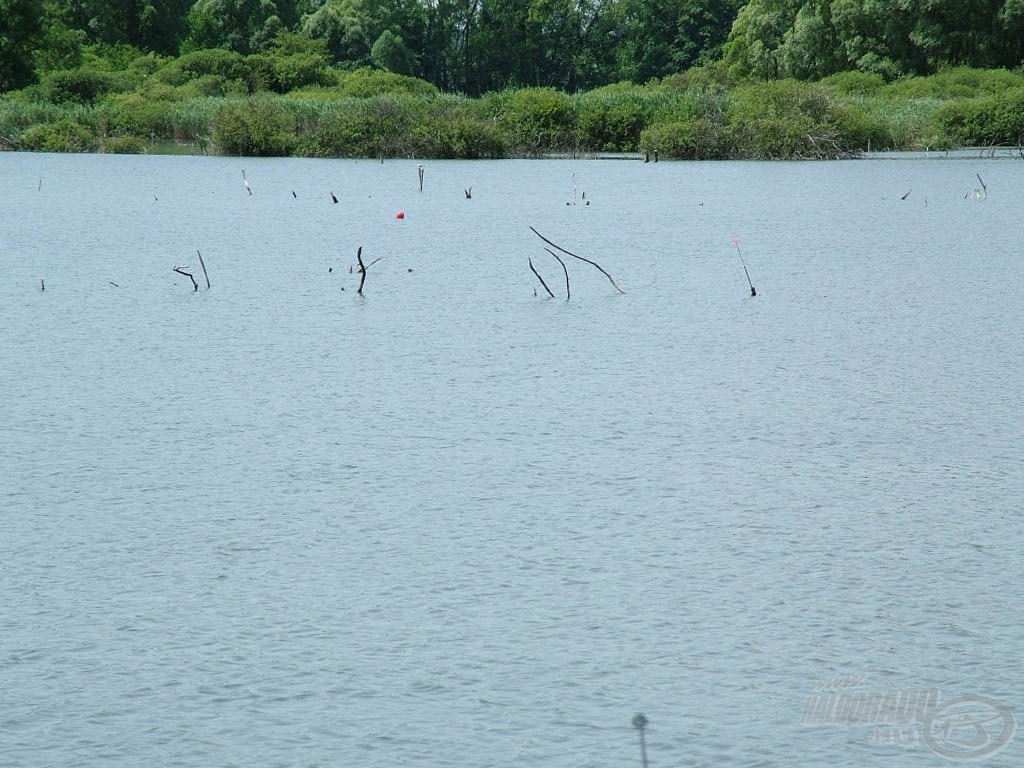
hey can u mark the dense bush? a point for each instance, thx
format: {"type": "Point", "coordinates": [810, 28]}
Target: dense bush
{"type": "Point", "coordinates": [361, 128]}
{"type": "Point", "coordinates": [956, 83]}
{"type": "Point", "coordinates": [62, 136]}
{"type": "Point", "coordinates": [610, 120]}
{"type": "Point", "coordinates": [983, 122]}
{"type": "Point", "coordinates": [460, 138]}
{"type": "Point", "coordinates": [283, 74]}
{"type": "Point", "coordinates": [124, 145]}
{"type": "Point", "coordinates": [79, 86]}
{"type": "Point", "coordinates": [693, 139]}
{"type": "Point", "coordinates": [537, 120]}
{"type": "Point", "coordinates": [132, 114]}
{"type": "Point", "coordinates": [228, 65]}
{"type": "Point", "coordinates": [254, 127]}
{"type": "Point", "coordinates": [855, 82]}
{"type": "Point", "coordinates": [366, 82]}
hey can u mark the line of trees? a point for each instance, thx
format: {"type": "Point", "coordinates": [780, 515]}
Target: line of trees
{"type": "Point", "coordinates": [478, 46]}
{"type": "Point", "coordinates": [465, 46]}
{"type": "Point", "coordinates": [810, 40]}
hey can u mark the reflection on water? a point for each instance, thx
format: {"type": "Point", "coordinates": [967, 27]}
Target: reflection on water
{"type": "Point", "coordinates": [276, 523]}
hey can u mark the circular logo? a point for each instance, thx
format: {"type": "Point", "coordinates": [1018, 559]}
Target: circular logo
{"type": "Point", "coordinates": [968, 728]}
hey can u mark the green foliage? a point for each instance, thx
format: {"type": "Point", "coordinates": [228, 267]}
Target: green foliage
{"type": "Point", "coordinates": [859, 131]}
{"type": "Point", "coordinates": [956, 83]}
{"type": "Point", "coordinates": [345, 29]}
{"type": "Point", "coordinates": [366, 82]}
{"type": "Point", "coordinates": [132, 114]}
{"type": "Point", "coordinates": [377, 127]}
{"type": "Point", "coordinates": [390, 53]}
{"type": "Point", "coordinates": [60, 44]}
{"type": "Point", "coordinates": [20, 31]}
{"type": "Point", "coordinates": [853, 82]}
{"type": "Point", "coordinates": [780, 119]}
{"type": "Point", "coordinates": [81, 86]}
{"type": "Point", "coordinates": [694, 139]}
{"type": "Point", "coordinates": [610, 120]}
{"type": "Point", "coordinates": [538, 119]}
{"type": "Point", "coordinates": [124, 145]}
{"type": "Point", "coordinates": [779, 99]}
{"type": "Point", "coordinates": [983, 122]}
{"type": "Point", "coordinates": [257, 126]}
{"type": "Point", "coordinates": [65, 135]}
{"type": "Point", "coordinates": [242, 26]}
{"type": "Point", "coordinates": [459, 138]}
{"type": "Point", "coordinates": [229, 65]}
{"type": "Point", "coordinates": [113, 57]}
{"type": "Point", "coordinates": [282, 74]}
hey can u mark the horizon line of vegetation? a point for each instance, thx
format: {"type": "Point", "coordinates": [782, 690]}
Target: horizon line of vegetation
{"type": "Point", "coordinates": [290, 101]}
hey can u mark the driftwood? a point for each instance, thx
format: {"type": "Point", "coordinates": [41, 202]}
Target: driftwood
{"type": "Point", "coordinates": [581, 258]}
{"type": "Point", "coordinates": [534, 270]}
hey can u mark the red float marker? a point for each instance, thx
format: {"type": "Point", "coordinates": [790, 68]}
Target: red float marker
{"type": "Point", "coordinates": [400, 215]}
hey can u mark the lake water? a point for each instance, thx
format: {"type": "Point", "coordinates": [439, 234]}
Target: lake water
{"type": "Point", "coordinates": [453, 522]}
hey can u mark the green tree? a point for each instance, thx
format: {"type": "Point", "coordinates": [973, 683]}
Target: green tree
{"type": "Point", "coordinates": [342, 25]}
{"type": "Point", "coordinates": [390, 52]}
{"type": "Point", "coordinates": [150, 25]}
{"type": "Point", "coordinates": [244, 26]}
{"type": "Point", "coordinates": [20, 32]}
{"type": "Point", "coordinates": [662, 37]}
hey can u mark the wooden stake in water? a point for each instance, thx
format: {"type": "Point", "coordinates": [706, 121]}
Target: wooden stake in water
{"type": "Point", "coordinates": [419, 170]}
{"type": "Point", "coordinates": [736, 242]}
{"type": "Point", "coordinates": [640, 723]}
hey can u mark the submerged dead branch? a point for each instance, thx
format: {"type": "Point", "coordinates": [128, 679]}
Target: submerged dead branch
{"type": "Point", "coordinates": [534, 270]}
{"type": "Point", "coordinates": [361, 269]}
{"type": "Point", "coordinates": [564, 269]}
{"type": "Point", "coordinates": [581, 258]}
{"type": "Point", "coordinates": [203, 265]}
{"type": "Point", "coordinates": [181, 271]}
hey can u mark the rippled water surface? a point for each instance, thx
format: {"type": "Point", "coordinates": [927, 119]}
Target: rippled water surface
{"type": "Point", "coordinates": [451, 522]}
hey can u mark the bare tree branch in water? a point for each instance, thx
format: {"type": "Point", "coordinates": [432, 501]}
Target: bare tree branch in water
{"type": "Point", "coordinates": [533, 269]}
{"type": "Point", "coordinates": [581, 258]}
{"type": "Point", "coordinates": [181, 271]}
{"type": "Point", "coordinates": [564, 269]}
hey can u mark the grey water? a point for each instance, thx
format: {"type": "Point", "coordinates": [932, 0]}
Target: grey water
{"type": "Point", "coordinates": [454, 521]}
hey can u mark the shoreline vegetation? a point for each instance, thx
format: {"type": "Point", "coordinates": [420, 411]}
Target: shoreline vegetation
{"type": "Point", "coordinates": [294, 104]}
